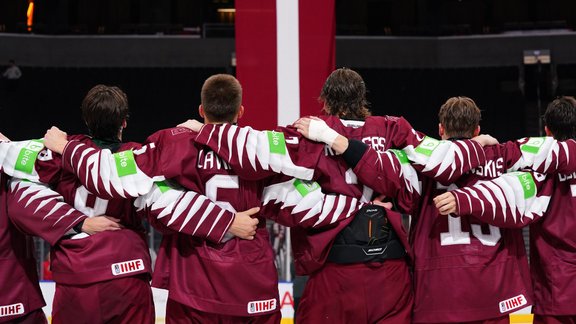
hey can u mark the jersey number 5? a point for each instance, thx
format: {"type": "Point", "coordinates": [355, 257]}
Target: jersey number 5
{"type": "Point", "coordinates": [221, 181]}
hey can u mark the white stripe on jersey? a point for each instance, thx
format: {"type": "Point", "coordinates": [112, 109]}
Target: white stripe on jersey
{"type": "Point", "coordinates": [101, 168]}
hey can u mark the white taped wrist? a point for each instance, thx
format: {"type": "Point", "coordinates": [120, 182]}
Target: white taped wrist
{"type": "Point", "coordinates": [320, 132]}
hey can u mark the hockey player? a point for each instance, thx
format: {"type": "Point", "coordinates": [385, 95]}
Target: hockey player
{"type": "Point", "coordinates": [100, 277]}
{"type": "Point", "coordinates": [21, 300]}
{"type": "Point", "coordinates": [520, 199]}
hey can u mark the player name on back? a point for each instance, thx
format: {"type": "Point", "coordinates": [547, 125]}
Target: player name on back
{"type": "Point", "coordinates": [127, 267]}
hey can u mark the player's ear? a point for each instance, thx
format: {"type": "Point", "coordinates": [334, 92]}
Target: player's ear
{"type": "Point", "coordinates": [240, 112]}
{"type": "Point", "coordinates": [547, 131]}
{"type": "Point", "coordinates": [124, 123]}
{"type": "Point", "coordinates": [440, 130]}
{"type": "Point", "coordinates": [201, 111]}
{"type": "Point", "coordinates": [477, 131]}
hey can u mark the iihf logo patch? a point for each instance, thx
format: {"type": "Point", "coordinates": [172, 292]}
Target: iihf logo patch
{"type": "Point", "coordinates": [127, 267]}
{"type": "Point", "coordinates": [10, 310]}
{"type": "Point", "coordinates": [261, 306]}
{"type": "Point", "coordinates": [512, 303]}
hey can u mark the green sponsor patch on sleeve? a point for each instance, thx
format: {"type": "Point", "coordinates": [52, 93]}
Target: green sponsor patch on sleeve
{"type": "Point", "coordinates": [527, 183]}
{"type": "Point", "coordinates": [401, 155]}
{"type": "Point", "coordinates": [306, 187]}
{"type": "Point", "coordinates": [125, 163]}
{"type": "Point", "coordinates": [163, 186]}
{"type": "Point", "coordinates": [427, 146]}
{"type": "Point", "coordinates": [533, 145]}
{"type": "Point", "coordinates": [277, 142]}
{"type": "Point", "coordinates": [28, 155]}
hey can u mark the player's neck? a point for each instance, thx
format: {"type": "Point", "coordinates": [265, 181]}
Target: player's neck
{"type": "Point", "coordinates": [208, 121]}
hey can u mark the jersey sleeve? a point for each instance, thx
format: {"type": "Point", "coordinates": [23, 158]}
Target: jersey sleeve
{"type": "Point", "coordinates": [294, 202]}
{"type": "Point", "coordinates": [110, 175]}
{"type": "Point", "coordinates": [38, 210]}
{"type": "Point", "coordinates": [403, 134]}
{"type": "Point", "coordinates": [546, 155]}
{"type": "Point", "coordinates": [172, 209]}
{"type": "Point", "coordinates": [260, 154]}
{"type": "Point", "coordinates": [30, 160]}
{"type": "Point", "coordinates": [512, 200]}
{"type": "Point", "coordinates": [445, 161]}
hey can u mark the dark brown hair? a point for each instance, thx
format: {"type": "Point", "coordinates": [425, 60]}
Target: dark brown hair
{"type": "Point", "coordinates": [560, 118]}
{"type": "Point", "coordinates": [460, 117]}
{"type": "Point", "coordinates": [104, 109]}
{"type": "Point", "coordinates": [221, 97]}
{"type": "Point", "coordinates": [344, 95]}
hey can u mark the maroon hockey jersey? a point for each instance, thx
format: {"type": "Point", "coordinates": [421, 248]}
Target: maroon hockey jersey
{"type": "Point", "coordinates": [18, 275]}
{"type": "Point", "coordinates": [547, 203]}
{"type": "Point", "coordinates": [465, 269]}
{"type": "Point", "coordinates": [553, 251]}
{"type": "Point", "coordinates": [76, 258]}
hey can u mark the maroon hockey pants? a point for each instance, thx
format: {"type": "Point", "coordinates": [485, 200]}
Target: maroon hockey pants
{"type": "Point", "coordinates": [177, 313]}
{"type": "Point", "coordinates": [358, 293]}
{"type": "Point", "coordinates": [123, 300]}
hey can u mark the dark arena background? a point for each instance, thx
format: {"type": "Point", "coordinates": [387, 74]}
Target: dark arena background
{"type": "Point", "coordinates": [413, 55]}
{"type": "Point", "coordinates": [511, 56]}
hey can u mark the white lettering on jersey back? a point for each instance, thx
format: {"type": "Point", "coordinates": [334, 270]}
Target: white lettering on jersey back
{"type": "Point", "coordinates": [261, 306]}
{"type": "Point", "coordinates": [10, 310]}
{"type": "Point", "coordinates": [566, 177]}
{"type": "Point", "coordinates": [376, 142]}
{"type": "Point", "coordinates": [512, 303]}
{"type": "Point", "coordinates": [127, 267]}
{"type": "Point", "coordinates": [491, 169]}
{"type": "Point", "coordinates": [209, 160]}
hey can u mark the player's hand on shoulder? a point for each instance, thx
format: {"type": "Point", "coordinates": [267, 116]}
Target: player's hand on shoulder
{"type": "Point", "coordinates": [316, 129]}
{"type": "Point", "coordinates": [244, 226]}
{"type": "Point", "coordinates": [302, 125]}
{"type": "Point", "coordinates": [485, 140]}
{"type": "Point", "coordinates": [192, 124]}
{"type": "Point", "coordinates": [55, 140]}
